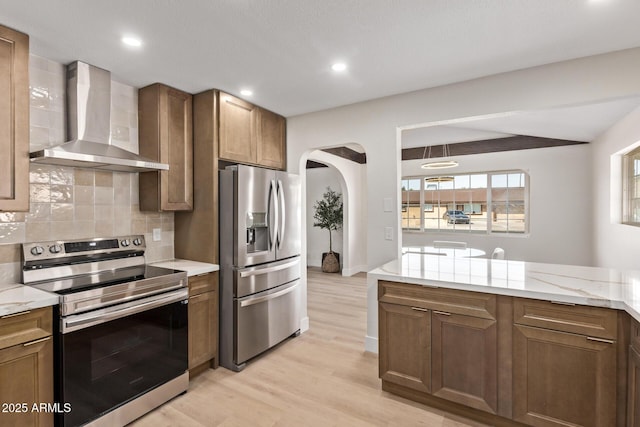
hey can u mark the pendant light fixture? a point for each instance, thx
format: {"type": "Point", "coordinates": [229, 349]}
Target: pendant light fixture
{"type": "Point", "coordinates": [439, 164]}
{"type": "Point", "coordinates": [439, 179]}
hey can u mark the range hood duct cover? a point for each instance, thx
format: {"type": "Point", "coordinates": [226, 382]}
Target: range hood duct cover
{"type": "Point", "coordinates": [89, 127]}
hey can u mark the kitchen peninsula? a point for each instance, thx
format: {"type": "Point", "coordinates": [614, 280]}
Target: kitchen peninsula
{"type": "Point", "coordinates": [510, 342]}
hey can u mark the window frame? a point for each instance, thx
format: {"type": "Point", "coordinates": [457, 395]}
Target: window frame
{"type": "Point", "coordinates": [629, 186]}
{"type": "Point", "coordinates": [489, 204]}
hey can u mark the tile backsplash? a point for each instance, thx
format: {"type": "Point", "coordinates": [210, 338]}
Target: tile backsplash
{"type": "Point", "coordinates": [73, 203]}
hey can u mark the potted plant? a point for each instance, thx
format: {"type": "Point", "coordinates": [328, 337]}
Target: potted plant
{"type": "Point", "coordinates": [328, 216]}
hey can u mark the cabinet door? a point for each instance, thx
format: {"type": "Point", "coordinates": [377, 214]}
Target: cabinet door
{"type": "Point", "coordinates": [633, 391]}
{"type": "Point", "coordinates": [405, 346]}
{"type": "Point", "coordinates": [14, 120]}
{"type": "Point", "coordinates": [271, 148]}
{"type": "Point", "coordinates": [166, 136]}
{"type": "Point", "coordinates": [203, 328]}
{"type": "Point", "coordinates": [464, 360]}
{"type": "Point", "coordinates": [177, 150]}
{"type": "Point", "coordinates": [563, 379]}
{"type": "Point", "coordinates": [237, 139]}
{"type": "Point", "coordinates": [26, 373]}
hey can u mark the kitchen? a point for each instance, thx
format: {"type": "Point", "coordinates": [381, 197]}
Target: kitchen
{"type": "Point", "coordinates": [311, 131]}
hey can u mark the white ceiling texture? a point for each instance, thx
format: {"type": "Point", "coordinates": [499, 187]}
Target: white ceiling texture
{"type": "Point", "coordinates": [283, 49]}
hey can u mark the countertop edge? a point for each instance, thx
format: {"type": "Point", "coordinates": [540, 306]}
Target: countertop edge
{"type": "Point", "coordinates": [633, 310]}
{"type": "Point", "coordinates": [192, 268]}
{"type": "Point", "coordinates": [16, 298]}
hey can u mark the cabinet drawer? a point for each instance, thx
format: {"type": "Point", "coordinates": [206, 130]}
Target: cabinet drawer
{"type": "Point", "coordinates": [577, 319]}
{"type": "Point", "coordinates": [474, 304]}
{"type": "Point", "coordinates": [26, 326]}
{"type": "Point", "coordinates": [203, 283]}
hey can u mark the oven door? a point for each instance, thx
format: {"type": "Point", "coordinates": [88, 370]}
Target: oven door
{"type": "Point", "coordinates": [108, 357]}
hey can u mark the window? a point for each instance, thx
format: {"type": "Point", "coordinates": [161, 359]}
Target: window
{"type": "Point", "coordinates": [493, 202]}
{"type": "Point", "coordinates": [631, 188]}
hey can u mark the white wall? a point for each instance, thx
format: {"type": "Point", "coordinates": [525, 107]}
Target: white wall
{"type": "Point", "coordinates": [559, 204]}
{"type": "Point", "coordinates": [318, 179]}
{"type": "Point", "coordinates": [615, 245]}
{"type": "Point", "coordinates": [375, 125]}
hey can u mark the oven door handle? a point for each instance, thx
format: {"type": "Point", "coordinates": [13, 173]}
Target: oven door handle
{"type": "Point", "coordinates": [85, 320]}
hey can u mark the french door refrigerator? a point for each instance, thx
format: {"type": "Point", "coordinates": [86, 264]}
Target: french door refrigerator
{"type": "Point", "coordinates": [259, 261]}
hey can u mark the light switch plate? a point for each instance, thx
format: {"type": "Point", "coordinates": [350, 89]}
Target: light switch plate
{"type": "Point", "coordinates": [388, 233]}
{"type": "Point", "coordinates": [157, 234]}
{"type": "Point", "coordinates": [388, 204]}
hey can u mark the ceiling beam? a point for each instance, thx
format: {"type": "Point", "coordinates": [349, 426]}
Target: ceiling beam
{"type": "Point", "coordinates": [518, 142]}
{"type": "Point", "coordinates": [347, 153]}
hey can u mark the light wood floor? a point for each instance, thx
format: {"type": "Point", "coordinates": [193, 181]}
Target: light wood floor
{"type": "Point", "coordinates": [321, 378]}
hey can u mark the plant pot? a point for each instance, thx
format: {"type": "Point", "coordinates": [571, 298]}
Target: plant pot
{"type": "Point", "coordinates": [330, 262]}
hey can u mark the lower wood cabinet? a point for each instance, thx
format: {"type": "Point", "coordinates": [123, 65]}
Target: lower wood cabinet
{"type": "Point", "coordinates": [464, 360]}
{"type": "Point", "coordinates": [203, 322]}
{"type": "Point", "coordinates": [633, 377]}
{"type": "Point", "coordinates": [563, 379]}
{"type": "Point", "coordinates": [405, 346]}
{"type": "Point", "coordinates": [26, 368]}
{"type": "Point", "coordinates": [429, 343]}
{"type": "Point", "coordinates": [509, 361]}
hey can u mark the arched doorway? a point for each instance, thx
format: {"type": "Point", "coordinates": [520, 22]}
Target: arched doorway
{"type": "Point", "coordinates": [325, 169]}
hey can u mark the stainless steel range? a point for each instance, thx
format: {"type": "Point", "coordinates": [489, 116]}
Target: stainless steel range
{"type": "Point", "coordinates": [121, 329]}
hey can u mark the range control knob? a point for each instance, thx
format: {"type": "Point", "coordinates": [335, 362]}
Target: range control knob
{"type": "Point", "coordinates": [137, 241]}
{"type": "Point", "coordinates": [54, 249]}
{"type": "Point", "coordinates": [37, 250]}
{"type": "Point", "coordinates": [125, 243]}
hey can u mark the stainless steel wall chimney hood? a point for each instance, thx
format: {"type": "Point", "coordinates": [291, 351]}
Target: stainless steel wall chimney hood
{"type": "Point", "coordinates": [89, 127]}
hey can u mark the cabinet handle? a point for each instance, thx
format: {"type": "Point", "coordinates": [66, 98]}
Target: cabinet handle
{"type": "Point", "coordinates": [15, 314]}
{"type": "Point", "coordinates": [606, 341]}
{"type": "Point", "coordinates": [419, 309]}
{"type": "Point", "coordinates": [36, 341]}
{"type": "Point", "coordinates": [562, 303]}
{"type": "Point", "coordinates": [443, 313]}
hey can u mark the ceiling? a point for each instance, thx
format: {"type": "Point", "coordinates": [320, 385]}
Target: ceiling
{"type": "Point", "coordinates": [575, 123]}
{"type": "Point", "coordinates": [283, 49]}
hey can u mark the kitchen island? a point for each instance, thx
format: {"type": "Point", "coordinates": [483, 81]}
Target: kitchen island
{"type": "Point", "coordinates": [510, 342]}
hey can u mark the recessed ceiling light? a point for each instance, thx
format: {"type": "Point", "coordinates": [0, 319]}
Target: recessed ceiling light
{"type": "Point", "coordinates": [246, 92]}
{"type": "Point", "coordinates": [132, 41]}
{"type": "Point", "coordinates": [339, 66]}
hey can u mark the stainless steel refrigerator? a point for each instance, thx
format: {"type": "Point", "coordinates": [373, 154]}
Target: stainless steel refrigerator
{"type": "Point", "coordinates": [259, 261]}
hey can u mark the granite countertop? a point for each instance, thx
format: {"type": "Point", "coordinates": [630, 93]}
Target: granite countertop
{"type": "Point", "coordinates": [193, 268]}
{"type": "Point", "coordinates": [15, 298]}
{"type": "Point", "coordinates": [602, 287]}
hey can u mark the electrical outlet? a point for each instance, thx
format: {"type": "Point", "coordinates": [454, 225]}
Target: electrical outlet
{"type": "Point", "coordinates": [157, 234]}
{"type": "Point", "coordinates": [388, 233]}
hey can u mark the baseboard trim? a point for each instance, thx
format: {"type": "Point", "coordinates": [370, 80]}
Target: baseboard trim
{"type": "Point", "coordinates": [354, 270]}
{"type": "Point", "coordinates": [304, 324]}
{"type": "Point", "coordinates": [371, 344]}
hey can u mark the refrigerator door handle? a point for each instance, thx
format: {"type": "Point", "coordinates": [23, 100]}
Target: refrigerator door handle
{"type": "Point", "coordinates": [282, 210]}
{"type": "Point", "coordinates": [266, 270]}
{"type": "Point", "coordinates": [272, 214]}
{"type": "Point", "coordinates": [257, 300]}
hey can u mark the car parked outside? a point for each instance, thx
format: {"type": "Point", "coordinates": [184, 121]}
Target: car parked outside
{"type": "Point", "coordinates": [456, 217]}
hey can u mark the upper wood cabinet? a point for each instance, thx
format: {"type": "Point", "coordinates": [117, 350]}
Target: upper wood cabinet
{"type": "Point", "coordinates": [166, 135]}
{"type": "Point", "coordinates": [271, 146]}
{"type": "Point", "coordinates": [14, 120]}
{"type": "Point", "coordinates": [237, 129]}
{"type": "Point", "coordinates": [250, 134]}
